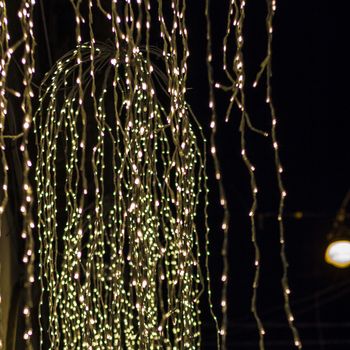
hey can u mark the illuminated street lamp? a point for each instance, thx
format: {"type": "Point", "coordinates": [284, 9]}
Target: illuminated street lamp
{"type": "Point", "coordinates": [338, 250]}
{"type": "Point", "coordinates": [338, 253]}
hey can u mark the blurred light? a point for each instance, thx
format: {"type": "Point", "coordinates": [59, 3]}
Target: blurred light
{"type": "Point", "coordinates": [338, 253]}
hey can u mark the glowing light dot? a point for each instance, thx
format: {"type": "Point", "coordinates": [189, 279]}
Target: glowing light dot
{"type": "Point", "coordinates": [132, 206]}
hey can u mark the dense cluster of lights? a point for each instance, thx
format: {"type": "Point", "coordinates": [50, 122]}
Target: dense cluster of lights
{"type": "Point", "coordinates": [120, 175]}
{"type": "Point", "coordinates": [119, 254]}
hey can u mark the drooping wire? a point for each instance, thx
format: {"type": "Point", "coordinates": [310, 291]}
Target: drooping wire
{"type": "Point", "coordinates": [236, 75]}
{"type": "Point", "coordinates": [222, 330]}
{"type": "Point", "coordinates": [266, 66]}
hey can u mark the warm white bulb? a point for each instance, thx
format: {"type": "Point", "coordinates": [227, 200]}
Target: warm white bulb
{"type": "Point", "coordinates": [338, 253]}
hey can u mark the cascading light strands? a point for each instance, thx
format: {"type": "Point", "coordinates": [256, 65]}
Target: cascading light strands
{"type": "Point", "coordinates": [119, 174]}
{"type": "Point", "coordinates": [236, 74]}
{"type": "Point", "coordinates": [25, 44]}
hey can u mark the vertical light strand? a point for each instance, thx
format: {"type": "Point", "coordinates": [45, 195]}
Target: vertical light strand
{"type": "Point", "coordinates": [267, 65]}
{"type": "Point", "coordinates": [25, 15]}
{"type": "Point", "coordinates": [222, 330]}
{"type": "Point", "coordinates": [237, 78]}
{"type": "Point", "coordinates": [5, 56]}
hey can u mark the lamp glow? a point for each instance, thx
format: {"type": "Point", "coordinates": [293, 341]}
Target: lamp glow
{"type": "Point", "coordinates": [338, 253]}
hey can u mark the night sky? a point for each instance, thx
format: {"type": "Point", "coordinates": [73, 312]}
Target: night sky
{"type": "Point", "coordinates": [310, 95]}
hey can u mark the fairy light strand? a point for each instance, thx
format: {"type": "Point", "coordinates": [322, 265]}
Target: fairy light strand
{"type": "Point", "coordinates": [237, 79]}
{"type": "Point", "coordinates": [27, 42]}
{"type": "Point", "coordinates": [5, 56]}
{"type": "Point", "coordinates": [25, 15]}
{"type": "Point", "coordinates": [222, 330]}
{"type": "Point", "coordinates": [267, 66]}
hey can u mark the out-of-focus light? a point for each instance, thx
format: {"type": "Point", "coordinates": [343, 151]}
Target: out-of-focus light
{"type": "Point", "coordinates": [338, 253]}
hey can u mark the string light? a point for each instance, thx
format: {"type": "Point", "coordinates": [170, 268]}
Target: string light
{"type": "Point", "coordinates": [25, 16]}
{"type": "Point", "coordinates": [236, 77]}
{"type": "Point", "coordinates": [5, 56]}
{"type": "Point", "coordinates": [222, 330]}
{"type": "Point", "coordinates": [128, 270]}
{"type": "Point", "coordinates": [267, 65]}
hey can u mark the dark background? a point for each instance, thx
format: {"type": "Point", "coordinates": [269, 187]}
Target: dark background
{"type": "Point", "coordinates": [310, 92]}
